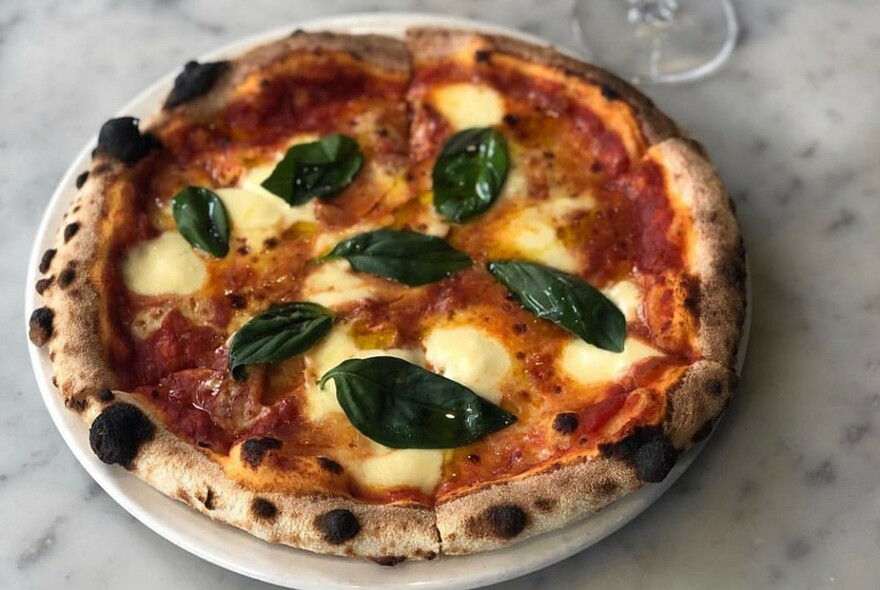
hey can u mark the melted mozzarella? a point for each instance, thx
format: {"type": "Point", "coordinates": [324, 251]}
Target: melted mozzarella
{"type": "Point", "coordinates": [589, 365]}
{"type": "Point", "coordinates": [416, 468]}
{"type": "Point", "coordinates": [533, 232]}
{"type": "Point", "coordinates": [255, 214]}
{"type": "Point", "coordinates": [469, 356]}
{"type": "Point", "coordinates": [332, 350]}
{"type": "Point", "coordinates": [516, 184]}
{"type": "Point", "coordinates": [334, 284]}
{"type": "Point", "coordinates": [627, 296]}
{"type": "Point", "coordinates": [469, 105]}
{"type": "Point", "coordinates": [165, 265]}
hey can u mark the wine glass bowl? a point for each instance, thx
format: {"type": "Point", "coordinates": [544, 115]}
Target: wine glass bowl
{"type": "Point", "coordinates": [657, 41]}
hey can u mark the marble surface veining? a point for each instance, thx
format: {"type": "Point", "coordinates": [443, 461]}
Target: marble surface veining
{"type": "Point", "coordinates": [786, 493]}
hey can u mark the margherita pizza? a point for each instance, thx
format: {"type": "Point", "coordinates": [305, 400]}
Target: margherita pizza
{"type": "Point", "coordinates": [396, 299]}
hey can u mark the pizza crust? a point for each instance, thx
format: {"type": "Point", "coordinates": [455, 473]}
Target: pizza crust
{"type": "Point", "coordinates": [75, 346]}
{"type": "Point", "coordinates": [481, 519]}
{"type": "Point", "coordinates": [183, 472]}
{"type": "Point", "coordinates": [717, 255]}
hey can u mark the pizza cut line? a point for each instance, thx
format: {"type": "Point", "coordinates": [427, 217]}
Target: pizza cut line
{"type": "Point", "coordinates": [396, 299]}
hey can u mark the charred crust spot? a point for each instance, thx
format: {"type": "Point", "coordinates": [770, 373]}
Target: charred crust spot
{"type": "Point", "coordinates": [66, 277]}
{"type": "Point", "coordinates": [208, 500]}
{"type": "Point", "coordinates": [505, 520]}
{"type": "Point", "coordinates": [610, 93]}
{"type": "Point", "coordinates": [195, 80]}
{"type": "Point", "coordinates": [46, 260]}
{"type": "Point", "coordinates": [544, 504]}
{"type": "Point", "coordinates": [329, 465]}
{"type": "Point", "coordinates": [626, 448]}
{"type": "Point", "coordinates": [253, 450]}
{"type": "Point", "coordinates": [120, 138]}
{"type": "Point", "coordinates": [606, 489]}
{"type": "Point", "coordinates": [43, 284]}
{"type": "Point", "coordinates": [511, 120]}
{"type": "Point", "coordinates": [655, 459]}
{"type": "Point", "coordinates": [77, 404]}
{"type": "Point", "coordinates": [70, 230]}
{"type": "Point", "coordinates": [236, 301]}
{"type": "Point", "coordinates": [704, 431]}
{"type": "Point", "coordinates": [105, 395]}
{"type": "Point", "coordinates": [81, 179]}
{"type": "Point", "coordinates": [565, 422]}
{"type": "Point", "coordinates": [714, 387]}
{"type": "Point", "coordinates": [735, 272]}
{"type": "Point", "coordinates": [102, 169]}
{"type": "Point", "coordinates": [389, 560]}
{"type": "Point", "coordinates": [338, 526]}
{"type": "Point", "coordinates": [520, 328]}
{"type": "Point", "coordinates": [40, 325]}
{"type": "Point", "coordinates": [270, 243]}
{"type": "Point", "coordinates": [264, 509]}
{"type": "Point", "coordinates": [691, 299]}
{"type": "Point", "coordinates": [118, 433]}
{"type": "Point", "coordinates": [482, 56]}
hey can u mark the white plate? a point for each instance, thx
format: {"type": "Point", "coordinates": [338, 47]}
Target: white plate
{"type": "Point", "coordinates": [237, 551]}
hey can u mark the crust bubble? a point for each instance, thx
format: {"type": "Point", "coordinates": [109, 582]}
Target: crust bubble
{"type": "Point", "coordinates": [195, 80]}
{"type": "Point", "coordinates": [120, 138]}
{"type": "Point", "coordinates": [338, 525]}
{"type": "Point", "coordinates": [118, 433]}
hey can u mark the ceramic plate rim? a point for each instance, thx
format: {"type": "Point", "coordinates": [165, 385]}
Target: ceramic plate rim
{"type": "Point", "coordinates": [237, 551]}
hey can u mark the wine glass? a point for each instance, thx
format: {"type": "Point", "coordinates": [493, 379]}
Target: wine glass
{"type": "Point", "coordinates": [658, 41]}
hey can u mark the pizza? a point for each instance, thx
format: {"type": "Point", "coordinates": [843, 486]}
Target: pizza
{"type": "Point", "coordinates": [396, 298]}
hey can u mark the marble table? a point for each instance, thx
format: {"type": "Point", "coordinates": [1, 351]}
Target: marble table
{"type": "Point", "coordinates": [786, 492]}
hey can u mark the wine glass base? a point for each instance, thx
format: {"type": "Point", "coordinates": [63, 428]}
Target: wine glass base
{"type": "Point", "coordinates": [660, 42]}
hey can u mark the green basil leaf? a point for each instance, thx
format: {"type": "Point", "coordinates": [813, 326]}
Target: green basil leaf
{"type": "Point", "coordinates": [201, 219]}
{"type": "Point", "coordinates": [469, 173]}
{"type": "Point", "coordinates": [317, 169]}
{"type": "Point", "coordinates": [401, 405]}
{"type": "Point", "coordinates": [407, 257]}
{"type": "Point", "coordinates": [278, 333]}
{"type": "Point", "coordinates": [565, 300]}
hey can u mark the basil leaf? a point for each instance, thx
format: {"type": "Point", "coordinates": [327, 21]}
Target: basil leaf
{"type": "Point", "coordinates": [407, 257]}
{"type": "Point", "coordinates": [401, 405]}
{"type": "Point", "coordinates": [201, 219]}
{"type": "Point", "coordinates": [469, 173]}
{"type": "Point", "coordinates": [565, 300]}
{"type": "Point", "coordinates": [316, 169]}
{"type": "Point", "coordinates": [279, 333]}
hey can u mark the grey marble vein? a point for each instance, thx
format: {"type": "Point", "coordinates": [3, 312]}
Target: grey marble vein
{"type": "Point", "coordinates": [787, 492]}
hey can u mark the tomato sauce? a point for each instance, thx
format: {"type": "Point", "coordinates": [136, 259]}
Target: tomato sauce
{"type": "Point", "coordinates": [181, 367]}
